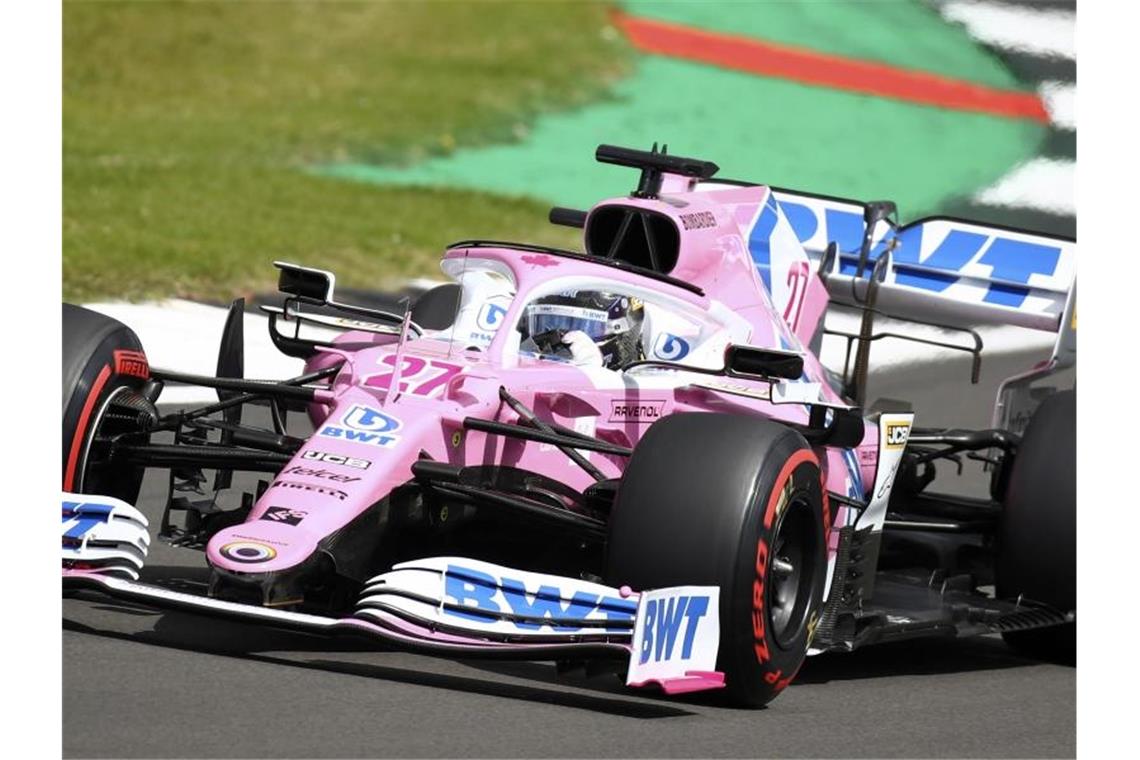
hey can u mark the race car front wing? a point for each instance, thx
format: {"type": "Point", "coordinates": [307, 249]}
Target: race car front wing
{"type": "Point", "coordinates": [457, 607]}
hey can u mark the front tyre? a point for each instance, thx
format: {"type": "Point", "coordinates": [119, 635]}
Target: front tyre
{"type": "Point", "coordinates": [736, 502]}
{"type": "Point", "coordinates": [104, 368]}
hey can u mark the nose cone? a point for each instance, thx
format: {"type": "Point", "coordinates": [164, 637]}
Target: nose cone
{"type": "Point", "coordinates": [260, 546]}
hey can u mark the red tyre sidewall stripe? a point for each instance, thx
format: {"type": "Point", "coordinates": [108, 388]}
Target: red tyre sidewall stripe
{"type": "Point", "coordinates": [81, 428]}
{"type": "Point", "coordinates": [759, 583]}
{"type": "Point", "coordinates": [794, 461]}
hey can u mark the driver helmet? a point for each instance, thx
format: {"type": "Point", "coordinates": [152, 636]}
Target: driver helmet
{"type": "Point", "coordinates": [611, 320]}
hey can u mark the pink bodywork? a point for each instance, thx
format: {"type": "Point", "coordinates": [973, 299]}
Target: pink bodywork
{"type": "Point", "coordinates": [442, 383]}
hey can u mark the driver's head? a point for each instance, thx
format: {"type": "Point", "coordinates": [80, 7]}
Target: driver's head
{"type": "Point", "coordinates": [612, 321]}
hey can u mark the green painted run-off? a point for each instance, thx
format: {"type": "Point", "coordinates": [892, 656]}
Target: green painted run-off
{"type": "Point", "coordinates": [765, 130]}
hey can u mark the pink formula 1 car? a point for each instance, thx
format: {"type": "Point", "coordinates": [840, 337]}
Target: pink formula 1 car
{"type": "Point", "coordinates": [628, 456]}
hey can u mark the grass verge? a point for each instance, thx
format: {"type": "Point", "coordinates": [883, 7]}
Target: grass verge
{"type": "Point", "coordinates": [187, 127]}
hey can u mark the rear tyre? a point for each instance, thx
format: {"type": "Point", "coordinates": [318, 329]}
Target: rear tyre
{"type": "Point", "coordinates": [735, 502]}
{"type": "Point", "coordinates": [103, 366]}
{"type": "Point", "coordinates": [1037, 539]}
{"type": "Point", "coordinates": [435, 309]}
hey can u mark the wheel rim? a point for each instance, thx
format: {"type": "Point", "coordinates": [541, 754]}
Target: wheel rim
{"type": "Point", "coordinates": [793, 566]}
{"type": "Point", "coordinates": [95, 474]}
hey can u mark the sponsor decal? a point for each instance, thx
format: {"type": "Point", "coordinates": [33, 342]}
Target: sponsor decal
{"type": "Point", "coordinates": [489, 319]}
{"type": "Point", "coordinates": [490, 316]}
{"type": "Point", "coordinates": [778, 501]}
{"type": "Point", "coordinates": [897, 433]}
{"type": "Point", "coordinates": [334, 492]}
{"type": "Point", "coordinates": [309, 472]}
{"type": "Point", "coordinates": [131, 363]}
{"type": "Point", "coordinates": [698, 220]}
{"type": "Point", "coordinates": [813, 621]}
{"type": "Point", "coordinates": [420, 377]}
{"type": "Point", "coordinates": [763, 391]}
{"type": "Point", "coordinates": [664, 619]}
{"type": "Point", "coordinates": [480, 597]}
{"type": "Point", "coordinates": [638, 411]}
{"type": "Point", "coordinates": [854, 474]}
{"type": "Point", "coordinates": [284, 515]}
{"type": "Point", "coordinates": [957, 249]}
{"type": "Point", "coordinates": [363, 424]}
{"type": "Point", "coordinates": [540, 260]}
{"type": "Point", "coordinates": [677, 633]}
{"type": "Point", "coordinates": [888, 482]}
{"type": "Point", "coordinates": [82, 522]}
{"type": "Point", "coordinates": [670, 347]}
{"type": "Point", "coordinates": [365, 418]}
{"type": "Point", "coordinates": [248, 552]}
{"type": "Point", "coordinates": [324, 456]}
{"type": "Point", "coordinates": [894, 431]}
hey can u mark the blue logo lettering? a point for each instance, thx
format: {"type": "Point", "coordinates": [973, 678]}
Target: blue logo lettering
{"type": "Point", "coordinates": [670, 613]}
{"type": "Point", "coordinates": [547, 604]}
{"type": "Point", "coordinates": [760, 243]}
{"type": "Point", "coordinates": [366, 418]}
{"type": "Point", "coordinates": [472, 590]}
{"type": "Point", "coordinates": [85, 515]}
{"type": "Point", "coordinates": [803, 220]}
{"type": "Point", "coordinates": [1011, 260]}
{"type": "Point", "coordinates": [1016, 260]}
{"type": "Point", "coordinates": [670, 347]}
{"type": "Point", "coordinates": [491, 316]}
{"type": "Point", "coordinates": [479, 595]}
{"type": "Point", "coordinates": [697, 608]}
{"type": "Point", "coordinates": [663, 618]}
{"type": "Point", "coordinates": [955, 251]}
{"type": "Point", "coordinates": [373, 439]}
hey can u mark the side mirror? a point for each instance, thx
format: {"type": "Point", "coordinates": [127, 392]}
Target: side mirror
{"type": "Point", "coordinates": [762, 362]}
{"type": "Point", "coordinates": [312, 286]}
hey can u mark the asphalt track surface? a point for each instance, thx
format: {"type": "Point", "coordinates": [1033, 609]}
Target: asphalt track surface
{"type": "Point", "coordinates": [140, 683]}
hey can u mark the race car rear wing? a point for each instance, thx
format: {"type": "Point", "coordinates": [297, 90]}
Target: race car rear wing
{"type": "Point", "coordinates": [939, 268]}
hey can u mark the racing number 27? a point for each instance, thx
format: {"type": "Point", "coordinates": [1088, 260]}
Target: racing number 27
{"type": "Point", "coordinates": [418, 376]}
{"type": "Point", "coordinates": [798, 275]}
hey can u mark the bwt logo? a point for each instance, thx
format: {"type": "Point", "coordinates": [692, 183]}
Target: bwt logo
{"type": "Point", "coordinates": [83, 520]}
{"type": "Point", "coordinates": [485, 599]}
{"type": "Point", "coordinates": [490, 316]}
{"type": "Point", "coordinates": [363, 424]}
{"type": "Point", "coordinates": [670, 347]}
{"type": "Point", "coordinates": [663, 623]}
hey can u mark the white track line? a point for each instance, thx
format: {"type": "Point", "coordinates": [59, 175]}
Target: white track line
{"type": "Point", "coordinates": [1061, 102]}
{"type": "Point", "coordinates": [1042, 184]}
{"type": "Point", "coordinates": [1037, 31]}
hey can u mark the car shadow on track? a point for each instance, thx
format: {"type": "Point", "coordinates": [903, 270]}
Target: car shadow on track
{"type": "Point", "coordinates": [914, 658]}
{"type": "Point", "coordinates": [545, 684]}
{"type": "Point", "coordinates": [189, 632]}
{"type": "Point", "coordinates": [908, 658]}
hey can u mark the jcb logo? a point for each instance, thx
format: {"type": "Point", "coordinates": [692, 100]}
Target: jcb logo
{"type": "Point", "coordinates": [897, 435]}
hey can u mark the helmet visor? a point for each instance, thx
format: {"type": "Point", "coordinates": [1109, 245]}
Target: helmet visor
{"type": "Point", "coordinates": [542, 318]}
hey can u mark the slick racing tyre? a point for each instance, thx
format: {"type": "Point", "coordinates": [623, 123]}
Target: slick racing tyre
{"type": "Point", "coordinates": [104, 368]}
{"type": "Point", "coordinates": [736, 502]}
{"type": "Point", "coordinates": [435, 309]}
{"type": "Point", "coordinates": [1037, 538]}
